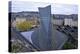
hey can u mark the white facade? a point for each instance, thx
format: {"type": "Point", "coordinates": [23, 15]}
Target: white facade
{"type": "Point", "coordinates": [57, 21]}
{"type": "Point", "coordinates": [20, 19]}
{"type": "Point", "coordinates": [70, 22]}
{"type": "Point", "coordinates": [75, 23]}
{"type": "Point", "coordinates": [66, 21]}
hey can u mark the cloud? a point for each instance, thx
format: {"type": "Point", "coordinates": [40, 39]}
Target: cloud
{"type": "Point", "coordinates": [33, 6]}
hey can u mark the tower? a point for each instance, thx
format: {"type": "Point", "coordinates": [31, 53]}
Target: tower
{"type": "Point", "coordinates": [43, 34]}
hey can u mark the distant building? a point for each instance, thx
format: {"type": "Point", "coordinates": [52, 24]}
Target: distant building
{"type": "Point", "coordinates": [68, 22]}
{"type": "Point", "coordinates": [63, 16]}
{"type": "Point", "coordinates": [32, 19]}
{"type": "Point", "coordinates": [71, 22]}
{"type": "Point", "coordinates": [60, 19]}
{"type": "Point", "coordinates": [57, 22]}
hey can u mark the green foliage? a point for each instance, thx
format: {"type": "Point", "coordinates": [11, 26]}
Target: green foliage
{"type": "Point", "coordinates": [23, 26]}
{"type": "Point", "coordinates": [68, 46]}
{"type": "Point", "coordinates": [15, 47]}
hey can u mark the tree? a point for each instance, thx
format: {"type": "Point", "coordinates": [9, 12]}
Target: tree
{"type": "Point", "coordinates": [23, 26]}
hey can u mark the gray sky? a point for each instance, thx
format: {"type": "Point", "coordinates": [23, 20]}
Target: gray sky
{"type": "Point", "coordinates": [18, 6]}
